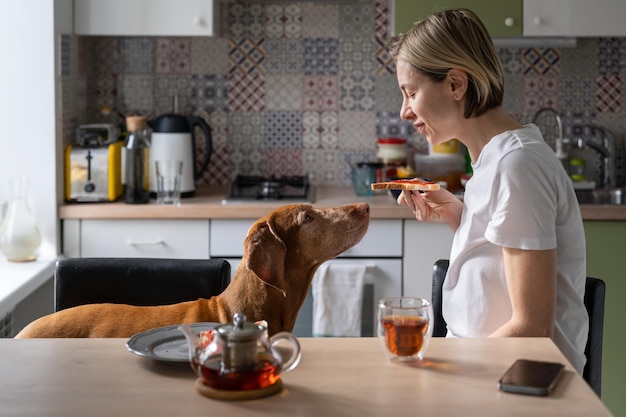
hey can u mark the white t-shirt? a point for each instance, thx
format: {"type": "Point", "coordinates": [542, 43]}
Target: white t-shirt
{"type": "Point", "coordinates": [519, 197]}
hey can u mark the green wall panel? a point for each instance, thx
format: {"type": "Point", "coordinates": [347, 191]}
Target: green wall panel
{"type": "Point", "coordinates": [606, 257]}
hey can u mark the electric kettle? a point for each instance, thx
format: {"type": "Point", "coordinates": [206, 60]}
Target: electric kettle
{"type": "Point", "coordinates": [173, 138]}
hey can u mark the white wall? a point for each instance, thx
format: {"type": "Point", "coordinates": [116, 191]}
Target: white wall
{"type": "Point", "coordinates": [28, 144]}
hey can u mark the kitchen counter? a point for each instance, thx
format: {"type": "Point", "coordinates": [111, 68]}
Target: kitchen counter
{"type": "Point", "coordinates": [20, 279]}
{"type": "Point", "coordinates": [207, 204]}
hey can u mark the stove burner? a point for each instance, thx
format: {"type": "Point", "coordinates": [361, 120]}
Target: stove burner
{"type": "Point", "coordinates": [269, 189]}
{"type": "Point", "coordinates": [255, 188]}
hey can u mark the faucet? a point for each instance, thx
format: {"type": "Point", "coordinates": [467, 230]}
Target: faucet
{"type": "Point", "coordinates": [606, 150]}
{"type": "Point", "coordinates": [559, 141]}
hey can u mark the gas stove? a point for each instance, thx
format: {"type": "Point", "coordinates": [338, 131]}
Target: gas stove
{"type": "Point", "coordinates": [255, 189]}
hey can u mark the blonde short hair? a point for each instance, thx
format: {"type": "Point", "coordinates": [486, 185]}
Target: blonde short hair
{"type": "Point", "coordinates": [455, 38]}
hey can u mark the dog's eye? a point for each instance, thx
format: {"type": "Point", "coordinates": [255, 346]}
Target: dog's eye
{"type": "Point", "coordinates": [305, 217]}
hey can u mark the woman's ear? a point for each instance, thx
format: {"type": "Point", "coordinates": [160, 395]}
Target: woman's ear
{"type": "Point", "coordinates": [457, 80]}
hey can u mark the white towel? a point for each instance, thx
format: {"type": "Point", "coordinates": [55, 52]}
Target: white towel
{"type": "Point", "coordinates": [337, 299]}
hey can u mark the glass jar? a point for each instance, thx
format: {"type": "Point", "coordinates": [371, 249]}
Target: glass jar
{"type": "Point", "coordinates": [392, 153]}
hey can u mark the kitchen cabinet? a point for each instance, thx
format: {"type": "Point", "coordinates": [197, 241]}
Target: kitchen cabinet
{"type": "Point", "coordinates": [424, 243]}
{"type": "Point", "coordinates": [503, 18]}
{"type": "Point", "coordinates": [380, 251]}
{"type": "Point", "coordinates": [146, 17]}
{"type": "Point", "coordinates": [186, 239]}
{"type": "Point", "coordinates": [517, 18]}
{"type": "Point", "coordinates": [574, 18]}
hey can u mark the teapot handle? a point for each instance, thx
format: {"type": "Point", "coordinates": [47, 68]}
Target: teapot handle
{"type": "Point", "coordinates": [296, 353]}
{"type": "Point", "coordinates": [193, 344]}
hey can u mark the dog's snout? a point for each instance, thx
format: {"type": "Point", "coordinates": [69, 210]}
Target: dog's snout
{"type": "Point", "coordinates": [363, 208]}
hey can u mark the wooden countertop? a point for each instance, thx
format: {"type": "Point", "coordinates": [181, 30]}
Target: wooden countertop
{"type": "Point", "coordinates": [336, 377]}
{"type": "Point", "coordinates": [207, 204]}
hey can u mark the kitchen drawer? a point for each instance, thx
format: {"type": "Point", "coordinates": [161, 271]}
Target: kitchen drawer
{"type": "Point", "coordinates": [146, 17]}
{"type": "Point", "coordinates": [383, 239]}
{"type": "Point", "coordinates": [145, 238]}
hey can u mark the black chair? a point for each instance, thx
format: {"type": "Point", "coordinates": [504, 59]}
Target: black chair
{"type": "Point", "coordinates": [594, 302]}
{"type": "Point", "coordinates": [439, 275]}
{"type": "Point", "coordinates": [137, 281]}
{"type": "Point", "coordinates": [595, 290]}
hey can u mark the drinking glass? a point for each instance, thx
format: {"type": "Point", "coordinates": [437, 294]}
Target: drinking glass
{"type": "Point", "coordinates": [169, 178]}
{"type": "Point", "coordinates": [404, 327]}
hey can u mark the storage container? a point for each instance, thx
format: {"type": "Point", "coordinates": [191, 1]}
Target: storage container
{"type": "Point", "coordinates": [448, 168]}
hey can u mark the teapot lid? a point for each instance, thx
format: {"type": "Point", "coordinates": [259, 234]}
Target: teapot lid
{"type": "Point", "coordinates": [240, 330]}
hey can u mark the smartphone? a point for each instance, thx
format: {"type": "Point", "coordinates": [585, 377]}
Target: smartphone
{"type": "Point", "coordinates": [531, 377]}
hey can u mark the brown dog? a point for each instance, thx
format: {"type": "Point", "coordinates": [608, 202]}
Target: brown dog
{"type": "Point", "coordinates": [282, 251]}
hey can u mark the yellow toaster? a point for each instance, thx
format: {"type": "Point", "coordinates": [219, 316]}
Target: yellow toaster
{"type": "Point", "coordinates": [93, 168]}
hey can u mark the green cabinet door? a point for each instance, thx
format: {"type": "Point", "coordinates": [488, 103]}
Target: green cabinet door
{"type": "Point", "coordinates": [501, 17]}
{"type": "Point", "coordinates": [606, 252]}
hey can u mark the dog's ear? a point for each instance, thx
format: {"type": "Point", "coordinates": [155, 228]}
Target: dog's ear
{"type": "Point", "coordinates": [266, 255]}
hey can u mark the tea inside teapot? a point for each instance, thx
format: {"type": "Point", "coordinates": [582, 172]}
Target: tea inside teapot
{"type": "Point", "coordinates": [240, 356]}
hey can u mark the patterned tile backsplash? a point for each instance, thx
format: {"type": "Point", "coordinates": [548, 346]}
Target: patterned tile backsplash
{"type": "Point", "coordinates": [307, 88]}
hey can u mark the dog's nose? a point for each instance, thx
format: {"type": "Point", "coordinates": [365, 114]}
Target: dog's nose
{"type": "Point", "coordinates": [363, 208]}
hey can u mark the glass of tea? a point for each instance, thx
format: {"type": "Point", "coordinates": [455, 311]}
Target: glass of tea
{"type": "Point", "coordinates": [405, 327]}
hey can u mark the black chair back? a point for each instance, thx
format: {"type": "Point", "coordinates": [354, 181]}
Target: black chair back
{"type": "Point", "coordinates": [137, 281]}
{"type": "Point", "coordinates": [439, 275]}
{"type": "Point", "coordinates": [594, 302]}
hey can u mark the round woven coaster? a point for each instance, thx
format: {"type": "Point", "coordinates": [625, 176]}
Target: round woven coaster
{"type": "Point", "coordinates": [237, 395]}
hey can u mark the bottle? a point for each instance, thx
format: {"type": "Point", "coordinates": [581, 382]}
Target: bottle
{"type": "Point", "coordinates": [136, 162]}
{"type": "Point", "coordinates": [19, 234]}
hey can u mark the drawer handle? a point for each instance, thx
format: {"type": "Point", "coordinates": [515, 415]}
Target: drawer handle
{"type": "Point", "coordinates": [145, 242]}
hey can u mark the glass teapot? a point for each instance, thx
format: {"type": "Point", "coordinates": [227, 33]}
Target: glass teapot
{"type": "Point", "coordinates": [239, 356]}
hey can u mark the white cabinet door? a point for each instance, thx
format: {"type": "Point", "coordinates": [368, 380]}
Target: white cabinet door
{"type": "Point", "coordinates": [186, 239]}
{"type": "Point", "coordinates": [424, 243]}
{"type": "Point", "coordinates": [574, 18]}
{"type": "Point", "coordinates": [146, 17]}
{"type": "Point", "coordinates": [383, 239]}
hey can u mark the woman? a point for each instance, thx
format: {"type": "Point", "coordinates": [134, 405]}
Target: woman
{"type": "Point", "coordinates": [517, 264]}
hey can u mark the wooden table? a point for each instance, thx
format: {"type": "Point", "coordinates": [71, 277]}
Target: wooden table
{"type": "Point", "coordinates": [336, 377]}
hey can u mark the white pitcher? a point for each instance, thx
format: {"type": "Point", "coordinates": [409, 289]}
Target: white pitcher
{"type": "Point", "coordinates": [19, 234]}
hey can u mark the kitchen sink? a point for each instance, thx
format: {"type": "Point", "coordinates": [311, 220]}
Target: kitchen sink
{"type": "Point", "coordinates": [614, 196]}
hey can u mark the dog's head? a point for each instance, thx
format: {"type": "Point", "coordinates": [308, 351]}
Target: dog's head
{"type": "Point", "coordinates": [298, 238]}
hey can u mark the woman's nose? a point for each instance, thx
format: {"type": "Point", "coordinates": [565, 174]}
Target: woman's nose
{"type": "Point", "coordinates": [405, 111]}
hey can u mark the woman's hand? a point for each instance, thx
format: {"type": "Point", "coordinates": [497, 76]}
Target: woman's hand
{"type": "Point", "coordinates": [434, 206]}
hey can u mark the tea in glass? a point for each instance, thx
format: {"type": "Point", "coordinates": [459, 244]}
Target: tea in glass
{"type": "Point", "coordinates": [404, 327]}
